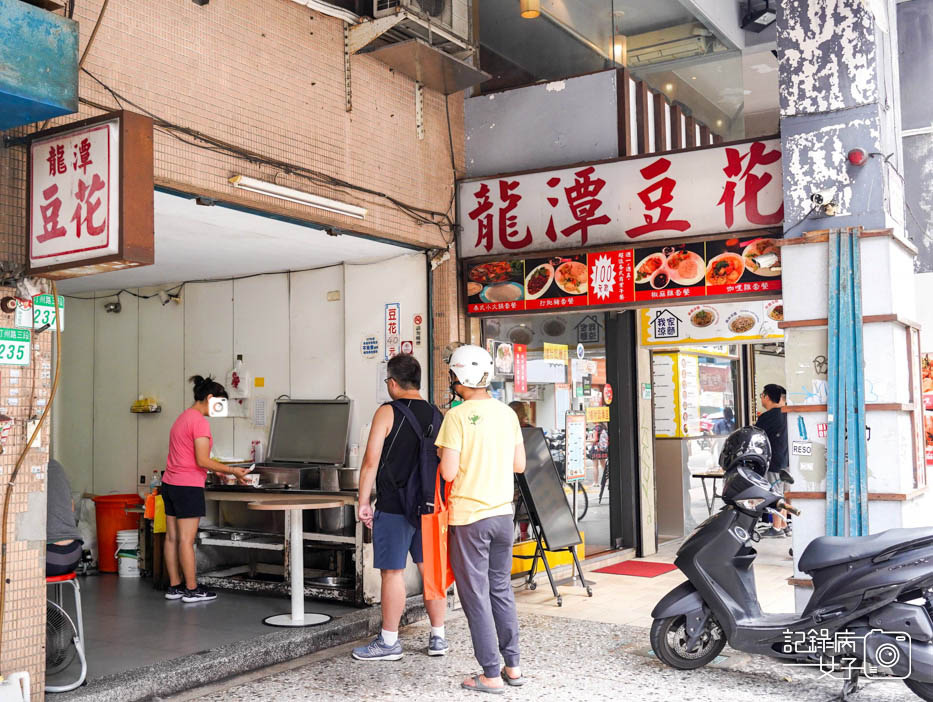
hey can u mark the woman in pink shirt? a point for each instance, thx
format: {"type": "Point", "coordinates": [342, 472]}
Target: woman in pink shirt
{"type": "Point", "coordinates": [189, 460]}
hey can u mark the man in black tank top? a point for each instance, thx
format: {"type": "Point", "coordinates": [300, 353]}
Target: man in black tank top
{"type": "Point", "coordinates": [392, 454]}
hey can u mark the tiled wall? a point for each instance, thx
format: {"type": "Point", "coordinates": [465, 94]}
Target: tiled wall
{"type": "Point", "coordinates": [268, 76]}
{"type": "Point", "coordinates": [23, 392]}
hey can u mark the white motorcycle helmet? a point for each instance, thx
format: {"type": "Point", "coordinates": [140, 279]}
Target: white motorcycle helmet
{"type": "Point", "coordinates": [472, 365]}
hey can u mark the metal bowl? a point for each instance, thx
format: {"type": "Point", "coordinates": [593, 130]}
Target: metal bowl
{"type": "Point", "coordinates": [332, 581]}
{"type": "Point", "coordinates": [349, 478]}
{"type": "Point", "coordinates": [330, 482]}
{"type": "Point", "coordinates": [335, 520]}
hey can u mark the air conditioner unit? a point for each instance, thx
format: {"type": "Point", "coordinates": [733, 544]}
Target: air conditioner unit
{"type": "Point", "coordinates": [670, 51]}
{"type": "Point", "coordinates": [452, 15]}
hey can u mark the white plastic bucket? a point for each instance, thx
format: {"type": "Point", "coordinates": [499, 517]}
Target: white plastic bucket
{"type": "Point", "coordinates": [128, 564]}
{"type": "Point", "coordinates": [127, 553]}
{"type": "Point", "coordinates": [127, 539]}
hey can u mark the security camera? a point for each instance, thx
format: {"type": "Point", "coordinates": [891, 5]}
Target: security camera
{"type": "Point", "coordinates": [822, 197]}
{"type": "Point", "coordinates": [114, 307]}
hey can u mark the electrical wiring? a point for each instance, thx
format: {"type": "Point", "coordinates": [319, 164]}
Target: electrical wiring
{"type": "Point", "coordinates": [198, 139]}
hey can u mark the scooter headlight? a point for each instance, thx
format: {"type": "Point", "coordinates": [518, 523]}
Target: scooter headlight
{"type": "Point", "coordinates": [751, 504]}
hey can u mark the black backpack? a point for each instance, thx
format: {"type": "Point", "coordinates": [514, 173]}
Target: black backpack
{"type": "Point", "coordinates": [417, 493]}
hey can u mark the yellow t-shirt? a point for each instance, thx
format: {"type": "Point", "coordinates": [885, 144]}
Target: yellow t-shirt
{"type": "Point", "coordinates": [485, 433]}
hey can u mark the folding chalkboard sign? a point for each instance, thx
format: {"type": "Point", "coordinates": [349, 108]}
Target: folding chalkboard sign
{"type": "Point", "coordinates": [550, 517]}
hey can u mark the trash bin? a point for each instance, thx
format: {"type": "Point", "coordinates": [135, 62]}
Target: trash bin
{"type": "Point", "coordinates": [111, 518]}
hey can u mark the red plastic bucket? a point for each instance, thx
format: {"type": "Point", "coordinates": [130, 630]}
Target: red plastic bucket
{"type": "Point", "coordinates": [111, 518]}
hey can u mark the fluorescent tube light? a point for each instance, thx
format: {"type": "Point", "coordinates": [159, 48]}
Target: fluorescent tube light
{"type": "Point", "coordinates": [302, 198]}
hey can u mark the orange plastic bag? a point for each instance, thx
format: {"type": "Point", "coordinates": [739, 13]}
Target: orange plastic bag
{"type": "Point", "coordinates": [438, 575]}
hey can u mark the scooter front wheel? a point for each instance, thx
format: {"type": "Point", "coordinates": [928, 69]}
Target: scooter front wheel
{"type": "Point", "coordinates": [923, 690]}
{"type": "Point", "coordinates": [669, 642]}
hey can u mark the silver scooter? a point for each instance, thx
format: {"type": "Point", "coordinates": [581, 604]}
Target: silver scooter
{"type": "Point", "coordinates": [870, 612]}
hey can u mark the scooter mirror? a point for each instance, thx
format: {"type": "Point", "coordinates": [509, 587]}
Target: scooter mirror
{"type": "Point", "coordinates": [786, 477]}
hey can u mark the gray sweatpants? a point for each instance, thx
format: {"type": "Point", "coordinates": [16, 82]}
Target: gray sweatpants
{"type": "Point", "coordinates": [481, 558]}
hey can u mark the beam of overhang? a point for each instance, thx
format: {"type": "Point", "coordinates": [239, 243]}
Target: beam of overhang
{"type": "Point", "coordinates": [722, 17]}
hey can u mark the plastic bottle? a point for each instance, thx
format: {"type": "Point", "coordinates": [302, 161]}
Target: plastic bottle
{"type": "Point", "coordinates": [155, 483]}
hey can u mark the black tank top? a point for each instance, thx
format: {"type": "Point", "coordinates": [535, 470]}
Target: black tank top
{"type": "Point", "coordinates": [400, 455]}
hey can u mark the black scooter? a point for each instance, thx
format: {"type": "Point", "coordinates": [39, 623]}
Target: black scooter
{"type": "Point", "coordinates": [870, 612]}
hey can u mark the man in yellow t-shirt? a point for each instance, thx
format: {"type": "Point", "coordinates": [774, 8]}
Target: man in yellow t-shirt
{"type": "Point", "coordinates": [481, 447]}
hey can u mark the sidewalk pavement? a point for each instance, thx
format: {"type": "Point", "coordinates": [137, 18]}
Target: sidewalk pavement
{"type": "Point", "coordinates": [589, 649]}
{"type": "Point", "coordinates": [564, 660]}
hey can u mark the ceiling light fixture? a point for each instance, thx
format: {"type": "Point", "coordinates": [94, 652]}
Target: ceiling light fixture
{"type": "Point", "coordinates": [530, 8]}
{"type": "Point", "coordinates": [298, 196]}
{"type": "Point", "coordinates": [757, 20]}
{"type": "Point", "coordinates": [668, 87]}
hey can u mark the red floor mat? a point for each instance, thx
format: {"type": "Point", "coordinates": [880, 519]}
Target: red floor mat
{"type": "Point", "coordinates": [642, 569]}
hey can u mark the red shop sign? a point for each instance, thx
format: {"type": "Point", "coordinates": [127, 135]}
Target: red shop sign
{"type": "Point", "coordinates": [697, 192]}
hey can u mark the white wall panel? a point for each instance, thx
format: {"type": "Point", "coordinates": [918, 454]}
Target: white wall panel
{"type": "Point", "coordinates": [261, 336]}
{"type": "Point", "coordinates": [368, 289]}
{"type": "Point", "coordinates": [73, 409]}
{"type": "Point", "coordinates": [208, 311]}
{"type": "Point", "coordinates": [316, 334]}
{"type": "Point", "coordinates": [161, 375]}
{"type": "Point", "coordinates": [115, 390]}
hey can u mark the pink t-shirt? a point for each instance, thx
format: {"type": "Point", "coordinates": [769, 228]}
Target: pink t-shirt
{"type": "Point", "coordinates": [181, 467]}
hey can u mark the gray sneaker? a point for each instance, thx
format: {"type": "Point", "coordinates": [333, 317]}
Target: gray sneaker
{"type": "Point", "coordinates": [377, 650]}
{"type": "Point", "coordinates": [773, 533]}
{"type": "Point", "coordinates": [437, 646]}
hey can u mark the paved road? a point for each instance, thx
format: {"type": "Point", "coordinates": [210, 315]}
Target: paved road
{"type": "Point", "coordinates": [565, 660]}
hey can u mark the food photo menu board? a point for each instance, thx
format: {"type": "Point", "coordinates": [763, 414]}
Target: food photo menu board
{"type": "Point", "coordinates": [556, 282]}
{"type": "Point", "coordinates": [645, 274]}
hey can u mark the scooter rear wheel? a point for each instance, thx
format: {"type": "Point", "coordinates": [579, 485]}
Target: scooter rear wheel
{"type": "Point", "coordinates": [923, 690]}
{"type": "Point", "coordinates": [669, 639]}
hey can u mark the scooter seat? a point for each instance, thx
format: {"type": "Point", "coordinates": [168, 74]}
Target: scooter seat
{"type": "Point", "coordinates": [826, 551]}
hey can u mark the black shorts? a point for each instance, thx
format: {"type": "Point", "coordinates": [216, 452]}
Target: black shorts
{"type": "Point", "coordinates": [183, 501]}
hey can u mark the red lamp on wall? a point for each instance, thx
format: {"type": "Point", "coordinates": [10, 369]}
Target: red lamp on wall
{"type": "Point", "coordinates": [857, 156]}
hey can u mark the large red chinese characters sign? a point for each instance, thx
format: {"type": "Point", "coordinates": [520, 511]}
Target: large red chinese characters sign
{"type": "Point", "coordinates": [704, 191]}
{"type": "Point", "coordinates": [82, 178]}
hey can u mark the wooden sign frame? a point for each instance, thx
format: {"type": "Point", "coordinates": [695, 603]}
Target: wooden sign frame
{"type": "Point", "coordinates": [136, 189]}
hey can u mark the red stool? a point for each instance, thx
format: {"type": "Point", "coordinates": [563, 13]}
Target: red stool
{"type": "Point", "coordinates": [57, 582]}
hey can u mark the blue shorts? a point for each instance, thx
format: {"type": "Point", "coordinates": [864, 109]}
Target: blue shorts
{"type": "Point", "coordinates": [393, 539]}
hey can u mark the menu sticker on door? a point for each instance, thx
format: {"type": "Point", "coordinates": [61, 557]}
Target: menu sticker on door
{"type": "Point", "coordinates": [801, 448]}
{"type": "Point", "coordinates": [556, 353]}
{"type": "Point", "coordinates": [14, 347]}
{"type": "Point", "coordinates": [520, 361]}
{"type": "Point", "coordinates": [594, 415]}
{"type": "Point", "coordinates": [392, 339]}
{"type": "Point", "coordinates": [575, 446]}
